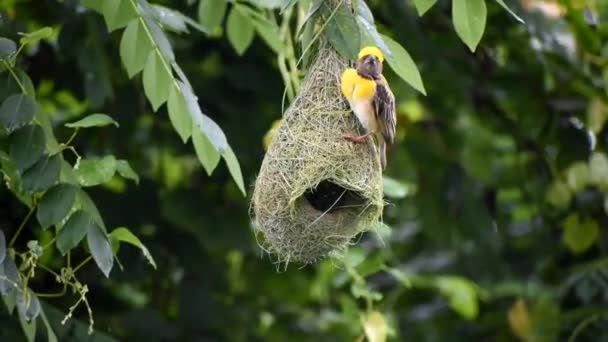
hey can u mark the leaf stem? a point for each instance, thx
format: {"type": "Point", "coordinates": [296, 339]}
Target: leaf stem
{"type": "Point", "coordinates": [57, 276]}
{"type": "Point", "coordinates": [156, 48]}
{"type": "Point", "coordinates": [291, 59]}
{"type": "Point", "coordinates": [27, 217]}
{"type": "Point", "coordinates": [67, 143]}
{"type": "Point", "coordinates": [14, 56]}
{"type": "Point", "coordinates": [10, 69]}
{"type": "Point", "coordinates": [78, 157]}
{"type": "Point", "coordinates": [82, 264]}
{"type": "Point", "coordinates": [582, 325]}
{"type": "Point", "coordinates": [312, 41]}
{"type": "Point", "coordinates": [49, 243]}
{"type": "Point", "coordinates": [53, 295]}
{"type": "Point", "coordinates": [282, 57]}
{"type": "Point", "coordinates": [48, 270]}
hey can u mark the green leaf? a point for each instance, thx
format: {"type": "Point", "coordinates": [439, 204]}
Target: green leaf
{"type": "Point", "coordinates": [8, 269]}
{"type": "Point", "coordinates": [578, 176]}
{"type": "Point", "coordinates": [100, 248]}
{"type": "Point", "coordinates": [9, 173]}
{"type": "Point", "coordinates": [306, 22]}
{"type": "Point", "coordinates": [579, 236]}
{"type": "Point", "coordinates": [27, 146]}
{"type": "Point", "coordinates": [67, 173]}
{"type": "Point", "coordinates": [422, 6]}
{"type": "Point", "coordinates": [371, 35]}
{"type": "Point", "coordinates": [93, 120]}
{"type": "Point", "coordinates": [174, 20]}
{"type": "Point", "coordinates": [43, 174]}
{"type": "Point", "coordinates": [170, 19]}
{"type": "Point", "coordinates": [502, 3]}
{"type": "Point", "coordinates": [269, 32]}
{"type": "Point", "coordinates": [28, 305]}
{"type": "Point", "coordinates": [206, 153]}
{"type": "Point", "coordinates": [240, 30]}
{"type": "Point", "coordinates": [375, 325]}
{"type": "Point", "coordinates": [287, 4]}
{"type": "Point", "coordinates": [29, 329]}
{"type": "Point", "coordinates": [559, 195]}
{"type": "Point", "coordinates": [51, 337]}
{"type": "Point", "coordinates": [74, 230]}
{"type": "Point", "coordinates": [157, 80]}
{"type": "Point", "coordinates": [95, 5]}
{"type": "Point", "coordinates": [181, 77]}
{"type": "Point", "coordinates": [118, 13]}
{"type": "Point", "coordinates": [469, 17]}
{"type": "Point", "coordinates": [124, 234]}
{"type": "Point", "coordinates": [271, 4]}
{"type": "Point", "coordinates": [211, 14]}
{"type": "Point", "coordinates": [95, 171]}
{"type": "Point", "coordinates": [34, 37]}
{"type": "Point", "coordinates": [598, 170]}
{"type": "Point", "coordinates": [2, 247]}
{"type": "Point", "coordinates": [369, 30]}
{"type": "Point", "coordinates": [135, 47]}
{"type": "Point", "coordinates": [10, 177]}
{"type": "Point", "coordinates": [354, 257]}
{"type": "Point", "coordinates": [235, 169]}
{"type": "Point", "coordinates": [204, 123]}
{"type": "Point", "coordinates": [9, 299]}
{"type": "Point", "coordinates": [9, 86]}
{"type": "Point", "coordinates": [461, 294]}
{"type": "Point", "coordinates": [160, 40]}
{"type": "Point", "coordinates": [306, 41]}
{"type": "Point", "coordinates": [395, 189]}
{"type": "Point", "coordinates": [178, 112]}
{"type": "Point", "coordinates": [365, 12]}
{"type": "Point", "coordinates": [546, 320]}
{"type": "Point", "coordinates": [124, 169]}
{"type": "Point", "coordinates": [342, 31]}
{"type": "Point", "coordinates": [55, 205]}
{"type": "Point", "coordinates": [7, 48]}
{"type": "Point", "coordinates": [44, 120]}
{"type": "Point", "coordinates": [359, 289]}
{"type": "Point", "coordinates": [16, 111]}
{"type": "Point", "coordinates": [85, 203]}
{"type": "Point", "coordinates": [403, 65]}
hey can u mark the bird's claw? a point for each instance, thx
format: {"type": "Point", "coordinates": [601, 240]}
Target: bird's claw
{"type": "Point", "coordinates": [358, 139]}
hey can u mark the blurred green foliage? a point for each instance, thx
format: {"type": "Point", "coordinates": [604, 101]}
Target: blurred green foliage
{"type": "Point", "coordinates": [497, 184]}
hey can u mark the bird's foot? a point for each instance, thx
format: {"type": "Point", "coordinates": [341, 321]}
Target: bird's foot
{"type": "Point", "coordinates": [358, 139]}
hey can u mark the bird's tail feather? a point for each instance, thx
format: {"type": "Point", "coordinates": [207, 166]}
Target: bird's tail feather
{"type": "Point", "coordinates": [382, 147]}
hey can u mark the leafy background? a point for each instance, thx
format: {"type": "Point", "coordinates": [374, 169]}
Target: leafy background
{"type": "Point", "coordinates": [496, 227]}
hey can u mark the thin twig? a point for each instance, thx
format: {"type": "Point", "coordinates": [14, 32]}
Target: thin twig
{"type": "Point", "coordinates": [27, 217]}
{"type": "Point", "coordinates": [82, 264]}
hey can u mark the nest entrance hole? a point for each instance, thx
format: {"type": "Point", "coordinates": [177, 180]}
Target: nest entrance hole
{"type": "Point", "coordinates": [329, 197]}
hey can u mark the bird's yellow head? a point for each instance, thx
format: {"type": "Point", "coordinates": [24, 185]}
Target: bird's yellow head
{"type": "Point", "coordinates": [371, 51]}
{"type": "Point", "coordinates": [369, 64]}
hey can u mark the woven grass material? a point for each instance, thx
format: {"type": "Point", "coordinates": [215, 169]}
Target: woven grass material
{"type": "Point", "coordinates": [316, 190]}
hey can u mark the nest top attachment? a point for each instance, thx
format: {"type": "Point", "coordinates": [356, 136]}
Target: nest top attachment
{"type": "Point", "coordinates": [316, 190]}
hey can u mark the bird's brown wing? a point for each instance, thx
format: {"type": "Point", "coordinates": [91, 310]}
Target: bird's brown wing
{"type": "Point", "coordinates": [384, 106]}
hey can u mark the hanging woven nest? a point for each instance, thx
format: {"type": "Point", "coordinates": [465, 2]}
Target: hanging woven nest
{"type": "Point", "coordinates": [316, 190]}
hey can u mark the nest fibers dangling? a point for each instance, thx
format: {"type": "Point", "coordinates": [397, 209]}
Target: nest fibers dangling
{"type": "Point", "coordinates": [316, 190]}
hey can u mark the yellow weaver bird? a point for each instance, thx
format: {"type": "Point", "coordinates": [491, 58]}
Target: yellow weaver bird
{"type": "Point", "coordinates": [371, 99]}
